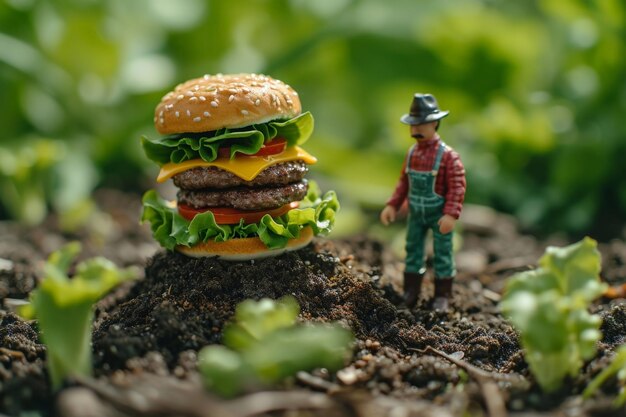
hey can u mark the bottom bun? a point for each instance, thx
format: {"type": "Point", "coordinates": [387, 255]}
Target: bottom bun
{"type": "Point", "coordinates": [245, 248]}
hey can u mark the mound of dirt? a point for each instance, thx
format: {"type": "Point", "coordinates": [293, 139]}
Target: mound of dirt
{"type": "Point", "coordinates": [183, 304]}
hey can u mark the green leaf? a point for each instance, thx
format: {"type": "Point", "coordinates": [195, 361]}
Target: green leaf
{"type": "Point", "coordinates": [616, 368]}
{"type": "Point", "coordinates": [300, 348]}
{"type": "Point", "coordinates": [265, 345]}
{"type": "Point", "coordinates": [224, 371]}
{"type": "Point", "coordinates": [254, 320]}
{"type": "Point", "coordinates": [59, 262]}
{"type": "Point", "coordinates": [63, 308]}
{"type": "Point", "coordinates": [577, 268]}
{"type": "Point", "coordinates": [248, 140]}
{"type": "Point", "coordinates": [170, 229]}
{"type": "Point", "coordinates": [548, 306]}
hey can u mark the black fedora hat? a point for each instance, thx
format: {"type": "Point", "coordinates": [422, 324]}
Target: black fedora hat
{"type": "Point", "coordinates": [424, 109]}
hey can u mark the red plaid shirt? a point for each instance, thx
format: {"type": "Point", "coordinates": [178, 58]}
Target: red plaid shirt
{"type": "Point", "coordinates": [450, 181]}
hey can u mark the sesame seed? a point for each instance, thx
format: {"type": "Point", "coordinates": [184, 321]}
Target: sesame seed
{"type": "Point", "coordinates": [189, 93]}
{"type": "Point", "coordinates": [196, 87]}
{"type": "Point", "coordinates": [245, 112]}
{"type": "Point", "coordinates": [202, 98]}
{"type": "Point", "coordinates": [231, 98]}
{"type": "Point", "coordinates": [197, 119]}
{"type": "Point", "coordinates": [257, 102]}
{"type": "Point", "coordinates": [161, 120]}
{"type": "Point", "coordinates": [206, 76]}
{"type": "Point", "coordinates": [193, 99]}
{"type": "Point", "coordinates": [169, 106]}
{"type": "Point", "coordinates": [207, 114]}
{"type": "Point", "coordinates": [177, 113]}
{"type": "Point", "coordinates": [180, 97]}
{"type": "Point", "coordinates": [161, 113]}
{"type": "Point", "coordinates": [189, 113]}
{"type": "Point", "coordinates": [214, 103]}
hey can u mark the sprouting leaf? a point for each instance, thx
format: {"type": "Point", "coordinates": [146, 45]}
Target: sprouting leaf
{"type": "Point", "coordinates": [548, 306]}
{"type": "Point", "coordinates": [617, 368]}
{"type": "Point", "coordinates": [64, 308]}
{"type": "Point", "coordinates": [254, 320]}
{"type": "Point", "coordinates": [298, 348]}
{"type": "Point", "coordinates": [224, 370]}
{"type": "Point", "coordinates": [264, 346]}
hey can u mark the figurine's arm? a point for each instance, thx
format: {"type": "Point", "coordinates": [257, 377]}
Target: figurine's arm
{"type": "Point", "coordinates": [455, 185]}
{"type": "Point", "coordinates": [388, 215]}
{"type": "Point", "coordinates": [454, 180]}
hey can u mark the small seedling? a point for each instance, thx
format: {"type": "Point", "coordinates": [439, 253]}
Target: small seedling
{"type": "Point", "coordinates": [549, 307]}
{"type": "Point", "coordinates": [265, 346]}
{"type": "Point", "coordinates": [64, 309]}
{"type": "Point", "coordinates": [617, 369]}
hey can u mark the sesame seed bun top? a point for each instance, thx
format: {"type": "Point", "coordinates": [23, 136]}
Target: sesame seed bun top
{"type": "Point", "coordinates": [216, 101]}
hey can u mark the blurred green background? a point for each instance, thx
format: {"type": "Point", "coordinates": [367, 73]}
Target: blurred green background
{"type": "Point", "coordinates": [536, 90]}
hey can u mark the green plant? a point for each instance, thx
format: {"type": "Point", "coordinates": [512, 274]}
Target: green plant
{"type": "Point", "coordinates": [263, 346]}
{"type": "Point", "coordinates": [64, 308]}
{"type": "Point", "coordinates": [41, 174]}
{"type": "Point", "coordinates": [618, 369]}
{"type": "Point", "coordinates": [25, 178]}
{"type": "Point", "coordinates": [548, 306]}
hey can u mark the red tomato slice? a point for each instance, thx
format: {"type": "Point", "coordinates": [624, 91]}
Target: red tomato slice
{"type": "Point", "coordinates": [227, 215]}
{"type": "Point", "coordinates": [272, 147]}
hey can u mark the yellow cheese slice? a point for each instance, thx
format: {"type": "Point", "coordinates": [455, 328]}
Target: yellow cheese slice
{"type": "Point", "coordinates": [245, 167]}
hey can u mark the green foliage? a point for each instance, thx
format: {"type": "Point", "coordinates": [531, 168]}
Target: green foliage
{"type": "Point", "coordinates": [171, 229]}
{"type": "Point", "coordinates": [616, 369]}
{"type": "Point", "coordinates": [64, 309]}
{"type": "Point", "coordinates": [25, 178]}
{"type": "Point", "coordinates": [548, 306]}
{"type": "Point", "coordinates": [181, 148]}
{"type": "Point", "coordinates": [90, 75]}
{"type": "Point", "coordinates": [265, 346]}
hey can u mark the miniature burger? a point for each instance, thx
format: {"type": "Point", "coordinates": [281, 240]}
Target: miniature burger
{"type": "Point", "coordinates": [233, 150]}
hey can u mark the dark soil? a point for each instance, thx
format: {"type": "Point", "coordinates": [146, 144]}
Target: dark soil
{"type": "Point", "coordinates": [147, 335]}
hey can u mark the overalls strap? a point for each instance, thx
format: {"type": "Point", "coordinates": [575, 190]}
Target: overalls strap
{"type": "Point", "coordinates": [408, 158]}
{"type": "Point", "coordinates": [438, 158]}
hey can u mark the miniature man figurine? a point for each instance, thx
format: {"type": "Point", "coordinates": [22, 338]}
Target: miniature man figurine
{"type": "Point", "coordinates": [433, 182]}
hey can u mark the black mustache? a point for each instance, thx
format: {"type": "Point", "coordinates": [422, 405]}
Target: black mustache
{"type": "Point", "coordinates": [418, 136]}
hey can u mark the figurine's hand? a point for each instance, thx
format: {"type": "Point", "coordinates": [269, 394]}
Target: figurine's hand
{"type": "Point", "coordinates": [446, 224]}
{"type": "Point", "coordinates": [388, 215]}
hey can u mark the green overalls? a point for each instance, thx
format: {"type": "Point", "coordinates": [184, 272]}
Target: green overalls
{"type": "Point", "coordinates": [425, 209]}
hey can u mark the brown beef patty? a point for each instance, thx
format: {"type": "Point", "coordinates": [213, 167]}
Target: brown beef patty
{"type": "Point", "coordinates": [245, 198]}
{"type": "Point", "coordinates": [213, 177]}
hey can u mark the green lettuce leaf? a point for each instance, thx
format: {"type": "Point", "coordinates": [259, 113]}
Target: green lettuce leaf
{"type": "Point", "coordinates": [247, 140]}
{"type": "Point", "coordinates": [64, 309]}
{"type": "Point", "coordinates": [170, 229]}
{"type": "Point", "coordinates": [549, 307]}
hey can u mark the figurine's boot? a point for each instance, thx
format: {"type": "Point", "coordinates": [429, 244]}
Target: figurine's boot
{"type": "Point", "coordinates": [443, 294]}
{"type": "Point", "coordinates": [413, 286]}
